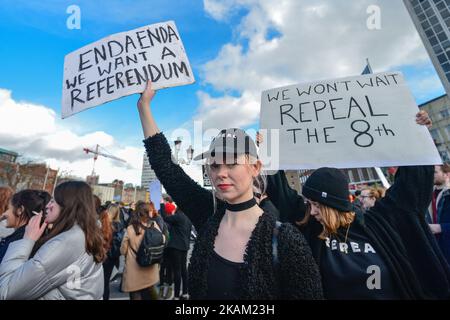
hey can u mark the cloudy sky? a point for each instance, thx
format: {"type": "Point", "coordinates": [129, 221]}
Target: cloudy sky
{"type": "Point", "coordinates": [237, 48]}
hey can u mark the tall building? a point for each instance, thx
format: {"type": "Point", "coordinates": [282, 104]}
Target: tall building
{"type": "Point", "coordinates": [148, 175]}
{"type": "Point", "coordinates": [439, 111]}
{"type": "Point", "coordinates": [432, 21]}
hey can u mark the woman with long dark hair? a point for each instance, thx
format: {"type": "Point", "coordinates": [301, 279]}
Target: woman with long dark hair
{"type": "Point", "coordinates": [65, 262]}
{"type": "Point", "coordinates": [20, 210]}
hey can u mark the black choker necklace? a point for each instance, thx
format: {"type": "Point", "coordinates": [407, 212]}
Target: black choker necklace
{"type": "Point", "coordinates": [240, 206]}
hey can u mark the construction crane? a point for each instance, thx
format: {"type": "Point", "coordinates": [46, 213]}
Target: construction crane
{"type": "Point", "coordinates": [97, 153]}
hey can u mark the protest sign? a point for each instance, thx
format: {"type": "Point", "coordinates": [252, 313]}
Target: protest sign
{"type": "Point", "coordinates": [352, 122]}
{"type": "Point", "coordinates": [121, 64]}
{"type": "Point", "coordinates": [154, 188]}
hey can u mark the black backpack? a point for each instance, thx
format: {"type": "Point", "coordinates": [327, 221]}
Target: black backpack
{"type": "Point", "coordinates": [114, 251]}
{"type": "Point", "coordinates": [151, 249]}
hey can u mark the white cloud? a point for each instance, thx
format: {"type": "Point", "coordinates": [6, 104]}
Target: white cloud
{"type": "Point", "coordinates": [34, 132]}
{"type": "Point", "coordinates": [281, 42]}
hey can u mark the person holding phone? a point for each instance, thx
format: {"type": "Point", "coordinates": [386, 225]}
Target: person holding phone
{"type": "Point", "coordinates": [21, 208]}
{"type": "Point", "coordinates": [64, 263]}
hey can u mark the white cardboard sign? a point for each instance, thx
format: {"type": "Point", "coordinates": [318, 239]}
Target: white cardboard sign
{"type": "Point", "coordinates": [120, 65]}
{"type": "Point", "coordinates": [362, 121]}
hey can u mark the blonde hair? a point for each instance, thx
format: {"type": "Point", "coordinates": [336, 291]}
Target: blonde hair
{"type": "Point", "coordinates": [114, 212]}
{"type": "Point", "coordinates": [259, 182]}
{"type": "Point", "coordinates": [376, 192]}
{"type": "Point", "coordinates": [332, 219]}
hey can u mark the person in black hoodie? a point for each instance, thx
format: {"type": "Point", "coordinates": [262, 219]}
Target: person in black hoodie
{"type": "Point", "coordinates": [234, 256]}
{"type": "Point", "coordinates": [387, 253]}
{"type": "Point", "coordinates": [180, 232]}
{"type": "Point", "coordinates": [21, 208]}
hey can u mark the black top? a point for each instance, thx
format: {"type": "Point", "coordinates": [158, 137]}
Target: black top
{"type": "Point", "coordinates": [395, 227]}
{"type": "Point", "coordinates": [268, 206]}
{"type": "Point", "coordinates": [299, 276]}
{"type": "Point", "coordinates": [4, 243]}
{"type": "Point", "coordinates": [179, 229]}
{"type": "Point", "coordinates": [223, 279]}
{"type": "Point", "coordinates": [352, 268]}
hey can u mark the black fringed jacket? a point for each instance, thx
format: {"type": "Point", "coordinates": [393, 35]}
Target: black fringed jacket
{"type": "Point", "coordinates": [298, 276]}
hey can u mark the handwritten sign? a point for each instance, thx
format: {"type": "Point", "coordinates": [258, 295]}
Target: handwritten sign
{"type": "Point", "coordinates": [121, 64]}
{"type": "Point", "coordinates": [362, 121]}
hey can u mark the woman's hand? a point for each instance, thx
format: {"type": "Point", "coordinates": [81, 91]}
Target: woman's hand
{"type": "Point", "coordinates": [146, 96]}
{"type": "Point", "coordinates": [423, 119]}
{"type": "Point", "coordinates": [34, 229]}
{"type": "Point", "coordinates": [148, 122]}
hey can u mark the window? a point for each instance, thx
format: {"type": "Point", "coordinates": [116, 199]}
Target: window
{"type": "Point", "coordinates": [429, 33]}
{"type": "Point", "coordinates": [350, 176]}
{"type": "Point", "coordinates": [372, 173]}
{"type": "Point", "coordinates": [438, 28]}
{"type": "Point", "coordinates": [433, 40]}
{"type": "Point", "coordinates": [446, 45]}
{"type": "Point", "coordinates": [445, 13]}
{"type": "Point", "coordinates": [425, 5]}
{"type": "Point", "coordinates": [417, 10]}
{"type": "Point", "coordinates": [365, 174]}
{"type": "Point", "coordinates": [442, 36]}
{"type": "Point", "coordinates": [442, 58]}
{"type": "Point", "coordinates": [429, 12]}
{"type": "Point", "coordinates": [437, 49]}
{"type": "Point", "coordinates": [425, 25]}
{"type": "Point", "coordinates": [444, 114]}
{"type": "Point", "coordinates": [440, 5]}
{"type": "Point", "coordinates": [446, 67]}
{"type": "Point", "coordinates": [447, 74]}
{"type": "Point", "coordinates": [434, 20]}
{"type": "Point", "coordinates": [447, 22]}
{"type": "Point", "coordinates": [447, 129]}
{"type": "Point", "coordinates": [436, 135]}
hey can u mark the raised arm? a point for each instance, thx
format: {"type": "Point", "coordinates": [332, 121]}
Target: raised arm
{"type": "Point", "coordinates": [411, 191]}
{"type": "Point", "coordinates": [288, 202]}
{"type": "Point", "coordinates": [193, 200]}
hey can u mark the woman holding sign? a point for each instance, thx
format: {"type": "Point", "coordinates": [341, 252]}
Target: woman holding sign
{"type": "Point", "coordinates": [233, 257]}
{"type": "Point", "coordinates": [387, 253]}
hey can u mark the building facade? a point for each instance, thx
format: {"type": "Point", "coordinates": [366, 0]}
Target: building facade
{"type": "Point", "coordinates": [148, 175]}
{"type": "Point", "coordinates": [103, 192]}
{"type": "Point", "coordinates": [432, 21]}
{"type": "Point", "coordinates": [439, 111]}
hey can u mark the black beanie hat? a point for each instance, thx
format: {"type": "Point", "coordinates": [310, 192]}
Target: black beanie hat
{"type": "Point", "coordinates": [328, 186]}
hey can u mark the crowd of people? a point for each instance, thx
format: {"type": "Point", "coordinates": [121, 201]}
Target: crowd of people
{"type": "Point", "coordinates": [257, 238]}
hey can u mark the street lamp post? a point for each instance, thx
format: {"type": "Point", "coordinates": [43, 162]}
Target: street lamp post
{"type": "Point", "coordinates": [189, 153]}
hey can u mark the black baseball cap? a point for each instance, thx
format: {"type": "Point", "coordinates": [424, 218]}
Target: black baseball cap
{"type": "Point", "coordinates": [229, 144]}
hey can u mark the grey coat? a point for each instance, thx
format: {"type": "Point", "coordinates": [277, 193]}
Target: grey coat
{"type": "Point", "coordinates": [60, 269]}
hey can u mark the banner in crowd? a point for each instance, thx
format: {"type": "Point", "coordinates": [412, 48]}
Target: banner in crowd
{"type": "Point", "coordinates": [362, 121]}
{"type": "Point", "coordinates": [120, 65]}
{"type": "Point", "coordinates": [154, 189]}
